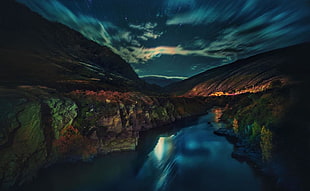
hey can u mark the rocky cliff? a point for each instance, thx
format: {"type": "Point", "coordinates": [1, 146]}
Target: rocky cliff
{"type": "Point", "coordinates": [40, 126]}
{"type": "Point", "coordinates": [30, 120]}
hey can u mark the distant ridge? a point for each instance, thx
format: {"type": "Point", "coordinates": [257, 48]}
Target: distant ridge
{"type": "Point", "coordinates": [251, 74]}
{"type": "Point", "coordinates": [160, 81]}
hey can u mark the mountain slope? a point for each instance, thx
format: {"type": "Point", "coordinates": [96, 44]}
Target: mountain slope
{"type": "Point", "coordinates": [39, 52]}
{"type": "Point", "coordinates": [160, 81]}
{"type": "Point", "coordinates": [248, 75]}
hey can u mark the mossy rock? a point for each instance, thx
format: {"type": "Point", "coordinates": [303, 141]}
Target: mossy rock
{"type": "Point", "coordinates": [63, 111]}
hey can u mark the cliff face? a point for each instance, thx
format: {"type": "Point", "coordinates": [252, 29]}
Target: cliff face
{"type": "Point", "coordinates": [114, 119]}
{"type": "Point", "coordinates": [40, 125]}
{"type": "Point", "coordinates": [30, 120]}
{"type": "Point", "coordinates": [251, 75]}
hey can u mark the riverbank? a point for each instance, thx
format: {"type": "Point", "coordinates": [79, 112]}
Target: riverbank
{"type": "Point", "coordinates": [242, 150]}
{"type": "Point", "coordinates": [41, 126]}
{"type": "Point", "coordinates": [256, 125]}
{"type": "Point", "coordinates": [182, 157]}
{"type": "Point", "coordinates": [80, 125]}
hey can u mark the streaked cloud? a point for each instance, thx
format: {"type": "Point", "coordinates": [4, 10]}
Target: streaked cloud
{"type": "Point", "coordinates": [144, 26]}
{"type": "Point", "coordinates": [90, 27]}
{"type": "Point", "coordinates": [97, 30]}
{"type": "Point", "coordinates": [148, 31]}
{"type": "Point", "coordinates": [184, 37]}
{"type": "Point", "coordinates": [195, 17]}
{"type": "Point", "coordinates": [176, 5]}
{"type": "Point", "coordinates": [142, 55]}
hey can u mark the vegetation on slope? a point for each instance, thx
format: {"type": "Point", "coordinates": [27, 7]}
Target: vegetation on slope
{"type": "Point", "coordinates": [256, 117]}
{"type": "Point", "coordinates": [253, 74]}
{"type": "Point", "coordinates": [269, 131]}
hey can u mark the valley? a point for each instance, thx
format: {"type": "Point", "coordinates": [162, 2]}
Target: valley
{"type": "Point", "coordinates": [67, 99]}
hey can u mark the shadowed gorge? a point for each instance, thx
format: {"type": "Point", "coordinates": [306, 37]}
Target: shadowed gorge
{"type": "Point", "coordinates": [77, 111]}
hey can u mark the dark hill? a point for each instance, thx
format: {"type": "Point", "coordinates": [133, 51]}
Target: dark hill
{"type": "Point", "coordinates": [251, 74]}
{"type": "Point", "coordinates": [35, 51]}
{"type": "Point", "coordinates": [160, 81]}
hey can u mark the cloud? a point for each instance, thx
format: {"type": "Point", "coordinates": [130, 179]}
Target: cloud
{"type": "Point", "coordinates": [212, 12]}
{"type": "Point", "coordinates": [144, 26]}
{"type": "Point", "coordinates": [90, 27]}
{"type": "Point", "coordinates": [229, 12]}
{"type": "Point", "coordinates": [147, 31]}
{"type": "Point", "coordinates": [198, 16]}
{"type": "Point", "coordinates": [102, 32]}
{"type": "Point", "coordinates": [142, 54]}
{"type": "Point", "coordinates": [98, 30]}
{"type": "Point", "coordinates": [194, 67]}
{"type": "Point", "coordinates": [257, 35]}
{"type": "Point", "coordinates": [178, 3]}
{"type": "Point", "coordinates": [150, 35]}
{"type": "Point", "coordinates": [231, 29]}
{"type": "Point", "coordinates": [243, 33]}
{"type": "Point", "coordinates": [173, 6]}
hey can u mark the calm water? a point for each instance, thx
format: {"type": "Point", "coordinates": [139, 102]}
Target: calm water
{"type": "Point", "coordinates": [192, 158]}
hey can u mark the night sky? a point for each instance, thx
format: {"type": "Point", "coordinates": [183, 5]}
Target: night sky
{"type": "Point", "coordinates": [183, 37]}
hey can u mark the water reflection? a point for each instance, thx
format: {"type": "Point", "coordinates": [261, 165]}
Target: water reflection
{"type": "Point", "coordinates": [193, 158]}
{"type": "Point", "coordinates": [218, 112]}
{"type": "Point", "coordinates": [163, 147]}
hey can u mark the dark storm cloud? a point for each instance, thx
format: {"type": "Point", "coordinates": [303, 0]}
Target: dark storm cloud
{"type": "Point", "coordinates": [182, 37]}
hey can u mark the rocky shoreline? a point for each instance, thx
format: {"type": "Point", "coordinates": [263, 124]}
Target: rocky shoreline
{"type": "Point", "coordinates": [41, 126]}
{"type": "Point", "coordinates": [242, 151]}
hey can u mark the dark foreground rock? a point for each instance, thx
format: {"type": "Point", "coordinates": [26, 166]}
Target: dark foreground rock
{"type": "Point", "coordinates": [40, 126]}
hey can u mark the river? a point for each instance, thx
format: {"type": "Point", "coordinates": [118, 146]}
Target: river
{"type": "Point", "coordinates": [183, 159]}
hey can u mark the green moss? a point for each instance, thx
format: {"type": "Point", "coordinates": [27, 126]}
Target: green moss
{"type": "Point", "coordinates": [63, 112]}
{"type": "Point", "coordinates": [27, 152]}
{"type": "Point", "coordinates": [258, 117]}
{"type": "Point", "coordinates": [255, 132]}
{"type": "Point", "coordinates": [159, 113]}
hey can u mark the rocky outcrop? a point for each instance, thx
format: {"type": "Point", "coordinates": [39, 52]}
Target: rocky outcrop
{"type": "Point", "coordinates": [40, 126]}
{"type": "Point", "coordinates": [114, 118]}
{"type": "Point", "coordinates": [243, 151]}
{"type": "Point", "coordinates": [29, 124]}
{"type": "Point", "coordinates": [61, 111]}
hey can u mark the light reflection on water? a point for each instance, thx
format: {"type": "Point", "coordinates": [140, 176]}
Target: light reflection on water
{"type": "Point", "coordinates": [193, 158]}
{"type": "Point", "coordinates": [217, 113]}
{"type": "Point", "coordinates": [163, 147]}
